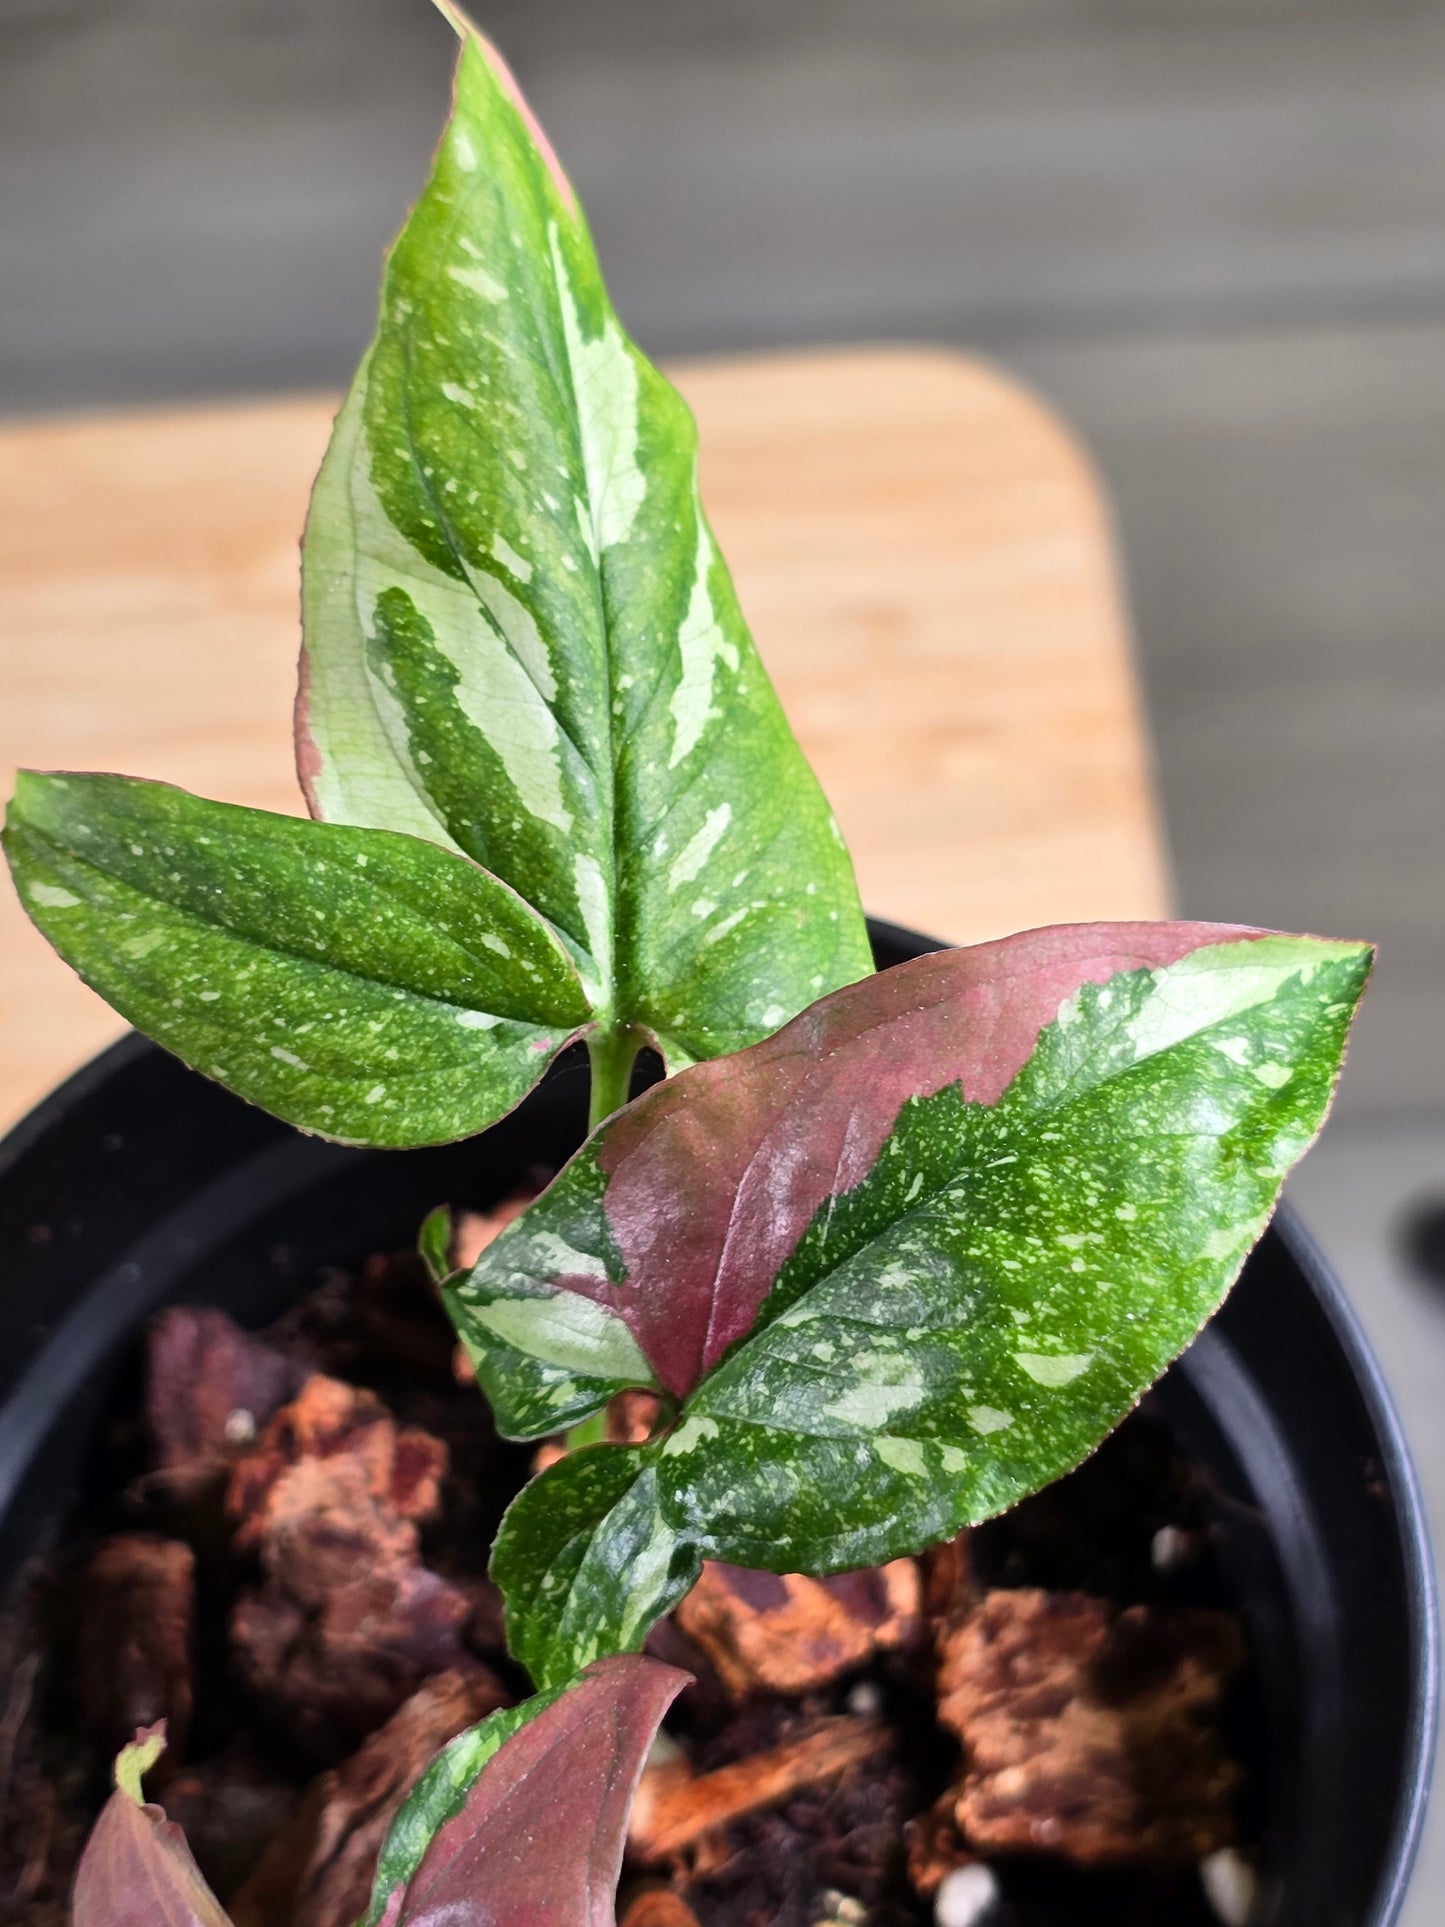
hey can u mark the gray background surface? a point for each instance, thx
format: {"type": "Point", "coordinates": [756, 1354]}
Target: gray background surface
{"type": "Point", "coordinates": [1212, 232]}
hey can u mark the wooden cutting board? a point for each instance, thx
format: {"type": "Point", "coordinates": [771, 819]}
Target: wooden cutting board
{"type": "Point", "coordinates": [923, 553]}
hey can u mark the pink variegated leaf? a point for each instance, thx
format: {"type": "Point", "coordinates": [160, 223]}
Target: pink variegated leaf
{"type": "Point", "coordinates": [907, 1260]}
{"type": "Point", "coordinates": [521, 1821]}
{"type": "Point", "coordinates": [137, 1870]}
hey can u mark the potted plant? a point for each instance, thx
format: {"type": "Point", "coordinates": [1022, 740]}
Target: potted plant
{"type": "Point", "coordinates": [882, 1254]}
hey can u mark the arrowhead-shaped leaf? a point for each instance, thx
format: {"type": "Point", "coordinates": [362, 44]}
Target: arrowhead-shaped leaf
{"type": "Point", "coordinates": [913, 1257]}
{"type": "Point", "coordinates": [522, 1820]}
{"type": "Point", "coordinates": [521, 641]}
{"type": "Point", "coordinates": [360, 984]}
{"type": "Point", "coordinates": [137, 1870]}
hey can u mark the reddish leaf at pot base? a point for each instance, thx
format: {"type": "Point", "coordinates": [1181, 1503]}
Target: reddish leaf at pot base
{"type": "Point", "coordinates": [137, 1870]}
{"type": "Point", "coordinates": [780, 1128]}
{"type": "Point", "coordinates": [539, 1841]}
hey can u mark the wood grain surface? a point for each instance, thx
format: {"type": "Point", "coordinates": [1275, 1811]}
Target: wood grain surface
{"type": "Point", "coordinates": [922, 551]}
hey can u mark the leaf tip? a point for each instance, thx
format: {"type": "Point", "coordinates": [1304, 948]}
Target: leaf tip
{"type": "Point", "coordinates": [470, 36]}
{"type": "Point", "coordinates": [134, 1761]}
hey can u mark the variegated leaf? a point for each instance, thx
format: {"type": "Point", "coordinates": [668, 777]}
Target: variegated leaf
{"type": "Point", "coordinates": [521, 641]}
{"type": "Point", "coordinates": [136, 1870]}
{"type": "Point", "coordinates": [523, 1819]}
{"type": "Point", "coordinates": [586, 1561]}
{"type": "Point", "coordinates": [363, 985]}
{"type": "Point", "coordinates": [914, 1257]}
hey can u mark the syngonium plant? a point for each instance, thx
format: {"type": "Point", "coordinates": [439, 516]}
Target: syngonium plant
{"type": "Point", "coordinates": [892, 1250]}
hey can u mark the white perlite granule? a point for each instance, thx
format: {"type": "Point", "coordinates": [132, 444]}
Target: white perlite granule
{"type": "Point", "coordinates": [965, 1896]}
{"type": "Point", "coordinates": [1229, 1883]}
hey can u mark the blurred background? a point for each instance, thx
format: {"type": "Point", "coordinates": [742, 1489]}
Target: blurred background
{"type": "Point", "coordinates": [1210, 232]}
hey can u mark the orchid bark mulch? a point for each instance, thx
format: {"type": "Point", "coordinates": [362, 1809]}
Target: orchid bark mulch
{"type": "Point", "coordinates": [288, 1563]}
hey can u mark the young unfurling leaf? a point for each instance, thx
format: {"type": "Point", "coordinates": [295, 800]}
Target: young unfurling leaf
{"type": "Point", "coordinates": [521, 641]}
{"type": "Point", "coordinates": [137, 1870]}
{"type": "Point", "coordinates": [523, 1819]}
{"type": "Point", "coordinates": [913, 1257]}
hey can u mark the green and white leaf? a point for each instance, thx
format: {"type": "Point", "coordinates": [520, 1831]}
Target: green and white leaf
{"type": "Point", "coordinates": [521, 641]}
{"type": "Point", "coordinates": [360, 984]}
{"type": "Point", "coordinates": [545, 1356]}
{"type": "Point", "coordinates": [586, 1561]}
{"type": "Point", "coordinates": [968, 1321]}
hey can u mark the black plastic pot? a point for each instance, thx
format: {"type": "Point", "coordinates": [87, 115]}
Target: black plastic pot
{"type": "Point", "coordinates": [139, 1184]}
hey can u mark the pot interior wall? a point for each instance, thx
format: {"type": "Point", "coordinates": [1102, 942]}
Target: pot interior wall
{"type": "Point", "coordinates": [140, 1185]}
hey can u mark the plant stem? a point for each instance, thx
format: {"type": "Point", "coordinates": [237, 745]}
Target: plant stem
{"type": "Point", "coordinates": [612, 1054]}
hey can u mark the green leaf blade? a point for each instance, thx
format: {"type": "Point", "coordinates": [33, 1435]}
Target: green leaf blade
{"type": "Point", "coordinates": [548, 1348]}
{"type": "Point", "coordinates": [1065, 1245]}
{"type": "Point", "coordinates": [360, 984]}
{"type": "Point", "coordinates": [586, 1562]}
{"type": "Point", "coordinates": [521, 639]}
{"type": "Point", "coordinates": [916, 1255]}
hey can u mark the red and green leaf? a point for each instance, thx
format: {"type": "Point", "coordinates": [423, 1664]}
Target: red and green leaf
{"type": "Point", "coordinates": [913, 1257]}
{"type": "Point", "coordinates": [520, 1820]}
{"type": "Point", "coordinates": [137, 1870]}
{"type": "Point", "coordinates": [523, 1819]}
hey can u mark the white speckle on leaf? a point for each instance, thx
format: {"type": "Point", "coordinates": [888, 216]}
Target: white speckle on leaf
{"type": "Point", "coordinates": [703, 907]}
{"type": "Point", "coordinates": [692, 1433]}
{"type": "Point", "coordinates": [375, 1094]}
{"type": "Point", "coordinates": [1126, 1213]}
{"type": "Point", "coordinates": [1273, 1076]}
{"type": "Point", "coordinates": [462, 149]}
{"type": "Point", "coordinates": [724, 924]}
{"type": "Point", "coordinates": [1236, 1049]}
{"type": "Point", "coordinates": [463, 397]}
{"type": "Point", "coordinates": [689, 861]}
{"type": "Point", "coordinates": [604, 380]}
{"type": "Point", "coordinates": [495, 944]}
{"type": "Point", "coordinates": [480, 282]}
{"type": "Point", "coordinates": [888, 1383]}
{"type": "Point", "coordinates": [701, 642]}
{"type": "Point", "coordinates": [1056, 1368]}
{"type": "Point", "coordinates": [477, 1020]}
{"type": "Point", "coordinates": [596, 909]}
{"type": "Point", "coordinates": [774, 1014]}
{"type": "Point", "coordinates": [520, 567]}
{"type": "Point", "coordinates": [904, 1455]}
{"type": "Point", "coordinates": [52, 896]}
{"type": "Point", "coordinates": [1224, 1242]}
{"type": "Point", "coordinates": [289, 1057]}
{"type": "Point", "coordinates": [988, 1418]}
